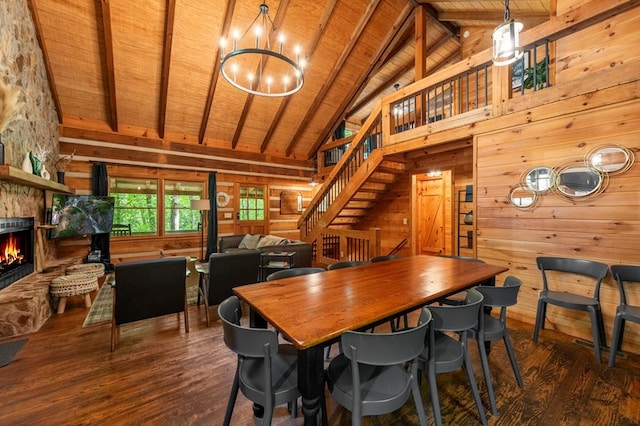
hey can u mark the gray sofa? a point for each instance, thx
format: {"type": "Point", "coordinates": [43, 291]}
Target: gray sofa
{"type": "Point", "coordinates": [234, 266]}
{"type": "Point", "coordinates": [302, 258]}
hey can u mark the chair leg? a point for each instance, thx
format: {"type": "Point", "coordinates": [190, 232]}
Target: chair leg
{"type": "Point", "coordinates": [603, 334]}
{"type": "Point", "coordinates": [595, 331]}
{"type": "Point", "coordinates": [186, 315]}
{"type": "Point", "coordinates": [487, 375]}
{"type": "Point", "coordinates": [618, 328]}
{"type": "Point", "coordinates": [417, 397]}
{"type": "Point", "coordinates": [474, 387]}
{"type": "Point", "coordinates": [541, 313]}
{"type": "Point", "coordinates": [435, 400]}
{"type": "Point", "coordinates": [232, 398]}
{"type": "Point", "coordinates": [512, 358]}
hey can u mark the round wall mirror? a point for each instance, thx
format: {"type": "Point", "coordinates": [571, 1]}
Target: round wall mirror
{"type": "Point", "coordinates": [578, 181]}
{"type": "Point", "coordinates": [539, 179]}
{"type": "Point", "coordinates": [611, 159]}
{"type": "Point", "coordinates": [523, 197]}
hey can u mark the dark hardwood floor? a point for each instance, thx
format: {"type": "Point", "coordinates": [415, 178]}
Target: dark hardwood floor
{"type": "Point", "coordinates": [160, 375]}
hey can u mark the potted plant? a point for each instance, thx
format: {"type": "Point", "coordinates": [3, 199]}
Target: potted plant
{"type": "Point", "coordinates": [540, 76]}
{"type": "Point", "coordinates": [61, 165]}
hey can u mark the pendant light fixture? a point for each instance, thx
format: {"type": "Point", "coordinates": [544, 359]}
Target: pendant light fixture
{"type": "Point", "coordinates": [506, 40]}
{"type": "Point", "coordinates": [253, 66]}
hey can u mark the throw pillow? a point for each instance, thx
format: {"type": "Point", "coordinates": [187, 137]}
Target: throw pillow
{"type": "Point", "coordinates": [269, 240]}
{"type": "Point", "coordinates": [249, 241]}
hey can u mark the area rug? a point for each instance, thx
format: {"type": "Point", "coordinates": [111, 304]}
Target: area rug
{"type": "Point", "coordinates": [100, 311]}
{"type": "Point", "coordinates": [9, 350]}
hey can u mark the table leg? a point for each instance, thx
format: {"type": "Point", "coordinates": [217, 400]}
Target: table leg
{"type": "Point", "coordinates": [310, 383]}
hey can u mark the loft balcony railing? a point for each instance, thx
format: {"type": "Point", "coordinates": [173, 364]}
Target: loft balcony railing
{"type": "Point", "coordinates": [442, 98]}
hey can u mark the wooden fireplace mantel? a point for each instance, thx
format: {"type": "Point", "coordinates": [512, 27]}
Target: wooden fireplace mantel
{"type": "Point", "coordinates": [19, 176]}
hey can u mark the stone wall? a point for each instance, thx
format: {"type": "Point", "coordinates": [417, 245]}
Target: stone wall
{"type": "Point", "coordinates": [25, 303]}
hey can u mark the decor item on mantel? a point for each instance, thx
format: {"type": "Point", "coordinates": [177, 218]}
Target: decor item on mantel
{"type": "Point", "coordinates": [9, 110]}
{"type": "Point", "coordinates": [61, 165]}
{"type": "Point", "coordinates": [27, 166]}
{"type": "Point", "coordinates": [36, 164]}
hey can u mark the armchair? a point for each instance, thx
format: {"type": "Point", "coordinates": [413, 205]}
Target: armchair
{"type": "Point", "coordinates": [148, 289]}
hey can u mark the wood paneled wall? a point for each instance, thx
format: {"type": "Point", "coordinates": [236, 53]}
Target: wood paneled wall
{"type": "Point", "coordinates": [605, 228]}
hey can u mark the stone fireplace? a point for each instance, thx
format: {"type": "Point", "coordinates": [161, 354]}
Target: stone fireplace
{"type": "Point", "coordinates": [16, 249]}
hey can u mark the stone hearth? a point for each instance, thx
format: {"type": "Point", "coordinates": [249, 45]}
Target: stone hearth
{"type": "Point", "coordinates": [26, 305]}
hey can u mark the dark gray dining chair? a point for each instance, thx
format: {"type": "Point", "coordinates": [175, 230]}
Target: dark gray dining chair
{"type": "Point", "coordinates": [445, 353]}
{"type": "Point", "coordinates": [345, 264]}
{"type": "Point", "coordinates": [266, 371]}
{"type": "Point", "coordinates": [293, 272]}
{"type": "Point", "coordinates": [458, 298]}
{"type": "Point", "coordinates": [492, 328]}
{"type": "Point", "coordinates": [377, 372]}
{"type": "Point", "coordinates": [624, 275]}
{"type": "Point", "coordinates": [571, 268]}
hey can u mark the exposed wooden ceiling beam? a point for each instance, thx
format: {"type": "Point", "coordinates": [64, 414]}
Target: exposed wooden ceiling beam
{"type": "Point", "coordinates": [435, 17]}
{"type": "Point", "coordinates": [282, 9]}
{"type": "Point", "coordinates": [47, 61]}
{"type": "Point", "coordinates": [231, 4]}
{"type": "Point", "coordinates": [399, 24]}
{"type": "Point", "coordinates": [493, 17]}
{"type": "Point", "coordinates": [170, 14]}
{"type": "Point", "coordinates": [315, 40]}
{"type": "Point", "coordinates": [355, 35]}
{"type": "Point", "coordinates": [109, 63]}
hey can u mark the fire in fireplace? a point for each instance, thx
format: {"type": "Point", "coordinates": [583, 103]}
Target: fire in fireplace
{"type": "Point", "coordinates": [16, 249]}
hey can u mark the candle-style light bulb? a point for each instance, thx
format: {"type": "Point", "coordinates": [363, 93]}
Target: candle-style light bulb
{"type": "Point", "coordinates": [223, 44]}
{"type": "Point", "coordinates": [236, 37]}
{"type": "Point", "coordinates": [258, 32]}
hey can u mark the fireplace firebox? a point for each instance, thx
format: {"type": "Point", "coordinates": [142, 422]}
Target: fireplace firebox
{"type": "Point", "coordinates": [16, 249]}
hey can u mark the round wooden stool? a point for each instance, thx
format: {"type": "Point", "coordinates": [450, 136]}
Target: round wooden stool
{"type": "Point", "coordinates": [93, 269]}
{"type": "Point", "coordinates": [73, 285]}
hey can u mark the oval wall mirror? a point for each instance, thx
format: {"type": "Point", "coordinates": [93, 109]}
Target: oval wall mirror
{"type": "Point", "coordinates": [578, 181]}
{"type": "Point", "coordinates": [612, 159]}
{"type": "Point", "coordinates": [539, 179]}
{"type": "Point", "coordinates": [522, 197]}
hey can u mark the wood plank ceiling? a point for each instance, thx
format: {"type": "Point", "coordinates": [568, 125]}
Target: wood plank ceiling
{"type": "Point", "coordinates": [150, 68]}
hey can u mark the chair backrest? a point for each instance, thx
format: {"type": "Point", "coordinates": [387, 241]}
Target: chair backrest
{"type": "Point", "coordinates": [386, 348]}
{"type": "Point", "coordinates": [622, 274]}
{"type": "Point", "coordinates": [383, 258]}
{"type": "Point", "coordinates": [587, 268]}
{"type": "Point", "coordinates": [228, 270]}
{"type": "Point", "coordinates": [293, 272]}
{"type": "Point", "coordinates": [507, 295]}
{"type": "Point", "coordinates": [245, 341]}
{"type": "Point", "coordinates": [345, 264]}
{"type": "Point", "coordinates": [459, 317]}
{"type": "Point", "coordinates": [149, 288]}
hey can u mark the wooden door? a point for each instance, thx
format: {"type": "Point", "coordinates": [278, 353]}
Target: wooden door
{"type": "Point", "coordinates": [430, 203]}
{"type": "Point", "coordinates": [252, 213]}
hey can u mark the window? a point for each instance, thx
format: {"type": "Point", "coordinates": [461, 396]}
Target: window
{"type": "Point", "coordinates": [178, 216]}
{"type": "Point", "coordinates": [251, 203]}
{"type": "Point", "coordinates": [136, 204]}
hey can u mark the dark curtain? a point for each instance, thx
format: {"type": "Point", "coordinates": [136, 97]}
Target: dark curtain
{"type": "Point", "coordinates": [100, 186]}
{"type": "Point", "coordinates": [212, 230]}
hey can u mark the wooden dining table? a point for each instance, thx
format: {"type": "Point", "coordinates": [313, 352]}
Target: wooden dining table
{"type": "Point", "coordinates": [312, 311]}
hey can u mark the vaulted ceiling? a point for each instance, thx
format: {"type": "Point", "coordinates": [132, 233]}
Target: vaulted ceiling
{"type": "Point", "coordinates": [150, 68]}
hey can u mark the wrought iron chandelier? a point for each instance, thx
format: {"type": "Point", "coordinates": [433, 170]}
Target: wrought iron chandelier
{"type": "Point", "coordinates": [506, 40]}
{"type": "Point", "coordinates": [259, 69]}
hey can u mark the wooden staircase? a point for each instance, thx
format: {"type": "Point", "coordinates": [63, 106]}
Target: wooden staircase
{"type": "Point", "coordinates": [354, 186]}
